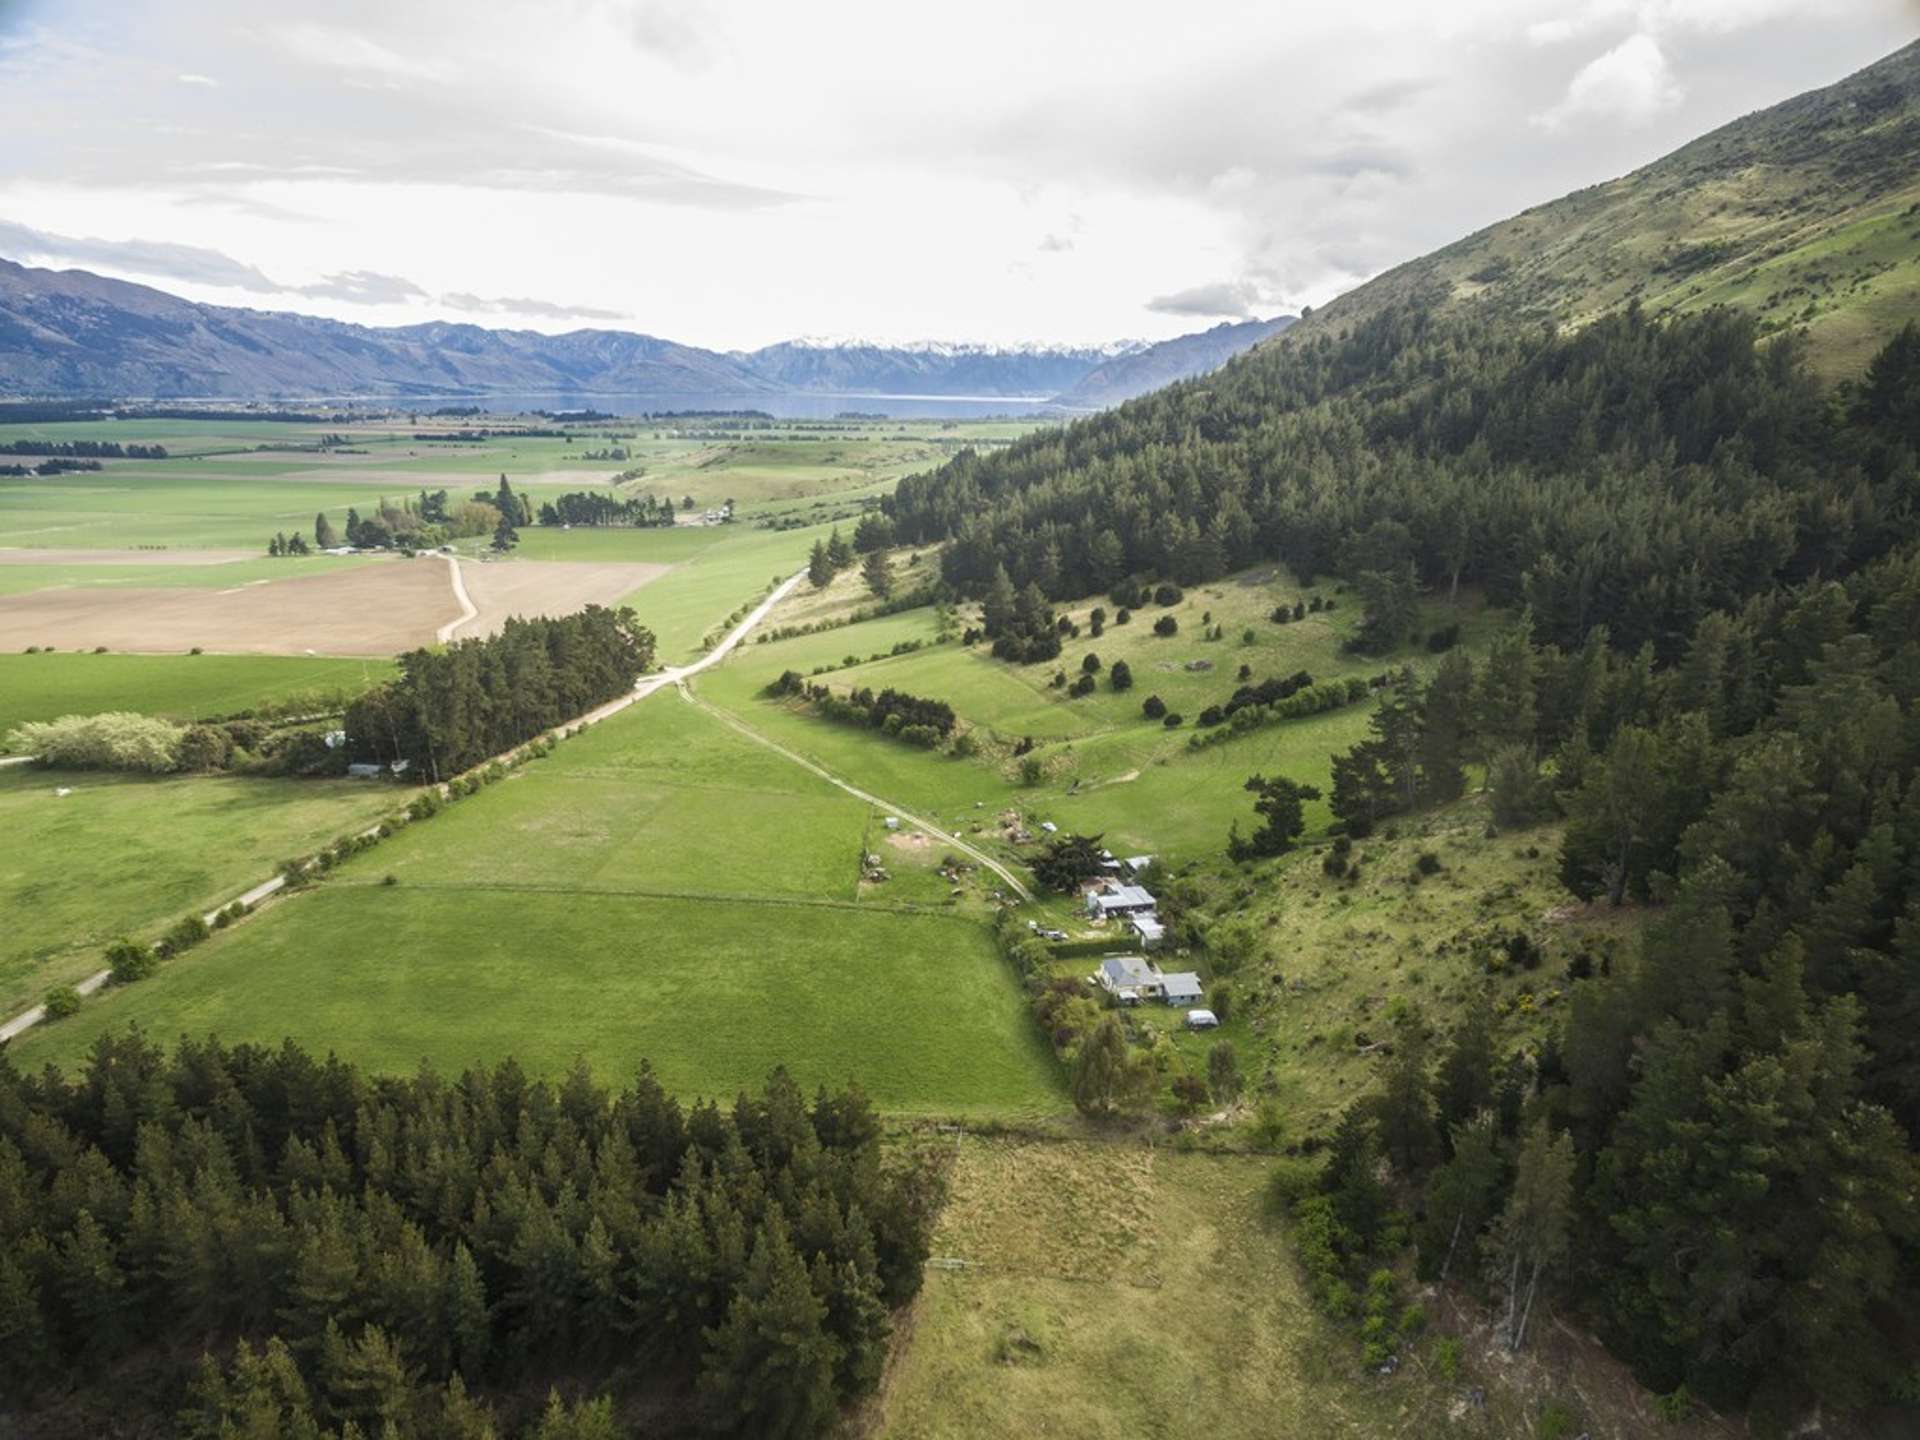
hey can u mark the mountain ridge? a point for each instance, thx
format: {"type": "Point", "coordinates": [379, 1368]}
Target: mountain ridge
{"type": "Point", "coordinates": [72, 334]}
{"type": "Point", "coordinates": [1805, 213]}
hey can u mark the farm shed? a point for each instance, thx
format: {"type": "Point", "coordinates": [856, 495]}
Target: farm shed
{"type": "Point", "coordinates": [1119, 900]}
{"type": "Point", "coordinates": [1148, 927]}
{"type": "Point", "coordinates": [1181, 988]}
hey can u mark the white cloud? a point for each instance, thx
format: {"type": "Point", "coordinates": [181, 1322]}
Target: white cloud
{"type": "Point", "coordinates": [187, 77]}
{"type": "Point", "coordinates": [1630, 84]}
{"type": "Point", "coordinates": [1231, 299]}
{"type": "Point", "coordinates": [731, 172]}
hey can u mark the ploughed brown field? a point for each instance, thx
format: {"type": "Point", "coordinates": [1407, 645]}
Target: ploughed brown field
{"type": "Point", "coordinates": [545, 587]}
{"type": "Point", "coordinates": [378, 609]}
{"type": "Point", "coordinates": [13, 555]}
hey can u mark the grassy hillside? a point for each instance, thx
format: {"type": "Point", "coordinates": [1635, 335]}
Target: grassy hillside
{"type": "Point", "coordinates": [1807, 214]}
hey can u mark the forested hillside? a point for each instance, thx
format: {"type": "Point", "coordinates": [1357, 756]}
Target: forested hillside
{"type": "Point", "coordinates": [1716, 682]}
{"type": "Point", "coordinates": [1805, 215]}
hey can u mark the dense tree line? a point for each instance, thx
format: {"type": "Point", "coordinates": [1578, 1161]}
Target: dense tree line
{"type": "Point", "coordinates": [597, 508]}
{"type": "Point", "coordinates": [453, 708]}
{"type": "Point", "coordinates": [1634, 475]}
{"type": "Point", "coordinates": [293, 1247]}
{"type": "Point", "coordinates": [84, 449]}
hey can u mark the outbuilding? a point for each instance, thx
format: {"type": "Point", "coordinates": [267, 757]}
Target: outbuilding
{"type": "Point", "coordinates": [1181, 988]}
{"type": "Point", "coordinates": [1202, 1020]}
{"type": "Point", "coordinates": [1119, 900]}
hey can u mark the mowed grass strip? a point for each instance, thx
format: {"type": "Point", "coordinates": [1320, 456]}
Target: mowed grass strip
{"type": "Point", "coordinates": [177, 687]}
{"type": "Point", "coordinates": [124, 854]}
{"type": "Point", "coordinates": [918, 1008]}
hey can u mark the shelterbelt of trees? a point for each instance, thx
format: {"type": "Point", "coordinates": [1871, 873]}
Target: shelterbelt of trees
{"type": "Point", "coordinates": [261, 1243]}
{"type": "Point", "coordinates": [1715, 677]}
{"type": "Point", "coordinates": [454, 708]}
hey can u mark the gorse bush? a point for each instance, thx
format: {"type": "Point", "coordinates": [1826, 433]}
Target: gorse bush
{"type": "Point", "coordinates": [114, 741]}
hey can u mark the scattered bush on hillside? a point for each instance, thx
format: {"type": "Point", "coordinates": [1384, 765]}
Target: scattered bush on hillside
{"type": "Point", "coordinates": [61, 1001]}
{"type": "Point", "coordinates": [1166, 625]}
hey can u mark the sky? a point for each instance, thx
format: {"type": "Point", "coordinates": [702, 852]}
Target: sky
{"type": "Point", "coordinates": [732, 173]}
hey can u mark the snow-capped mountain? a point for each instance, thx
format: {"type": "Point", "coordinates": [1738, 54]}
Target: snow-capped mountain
{"type": "Point", "coordinates": [929, 367]}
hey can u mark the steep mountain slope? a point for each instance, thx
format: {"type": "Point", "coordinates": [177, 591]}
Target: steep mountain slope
{"type": "Point", "coordinates": [1806, 214]}
{"type": "Point", "coordinates": [1126, 376]}
{"type": "Point", "coordinates": [862, 367]}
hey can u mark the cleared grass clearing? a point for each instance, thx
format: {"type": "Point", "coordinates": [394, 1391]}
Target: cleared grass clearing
{"type": "Point", "coordinates": [917, 1008]}
{"type": "Point", "coordinates": [126, 855]}
{"type": "Point", "coordinates": [1334, 961]}
{"type": "Point", "coordinates": [176, 687]}
{"type": "Point", "coordinates": [1115, 1291]}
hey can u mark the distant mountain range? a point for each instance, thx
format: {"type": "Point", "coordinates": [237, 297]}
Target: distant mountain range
{"type": "Point", "coordinates": [73, 334]}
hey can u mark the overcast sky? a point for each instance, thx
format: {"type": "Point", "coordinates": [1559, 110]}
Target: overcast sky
{"type": "Point", "coordinates": [731, 174]}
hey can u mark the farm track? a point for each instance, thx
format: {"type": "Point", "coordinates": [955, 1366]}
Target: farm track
{"type": "Point", "coordinates": [468, 610]}
{"type": "Point", "coordinates": [631, 892]}
{"type": "Point", "coordinates": [906, 816]}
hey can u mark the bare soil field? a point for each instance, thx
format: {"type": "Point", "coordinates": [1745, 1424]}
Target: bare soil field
{"type": "Point", "coordinates": [10, 555]}
{"type": "Point", "coordinates": [501, 588]}
{"type": "Point", "coordinates": [378, 609]}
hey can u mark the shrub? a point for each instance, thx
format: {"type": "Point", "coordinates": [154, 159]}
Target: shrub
{"type": "Point", "coordinates": [390, 879]}
{"type": "Point", "coordinates": [115, 741]}
{"type": "Point", "coordinates": [204, 748]}
{"type": "Point", "coordinates": [1083, 686]}
{"type": "Point", "coordinates": [1120, 676]}
{"type": "Point", "coordinates": [1167, 594]}
{"type": "Point", "coordinates": [186, 933]}
{"type": "Point", "coordinates": [1090, 665]}
{"type": "Point", "coordinates": [1123, 617]}
{"type": "Point", "coordinates": [61, 1002]}
{"type": "Point", "coordinates": [196, 650]}
{"type": "Point", "coordinates": [1174, 720]}
{"type": "Point", "coordinates": [1166, 625]}
{"type": "Point", "coordinates": [130, 961]}
{"type": "Point", "coordinates": [1153, 707]}
{"type": "Point", "coordinates": [1428, 863]}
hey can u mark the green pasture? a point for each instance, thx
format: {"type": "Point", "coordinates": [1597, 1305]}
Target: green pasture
{"type": "Point", "coordinates": [177, 687]}
{"type": "Point", "coordinates": [130, 855]}
{"type": "Point", "coordinates": [659, 888]}
{"type": "Point", "coordinates": [918, 1008]}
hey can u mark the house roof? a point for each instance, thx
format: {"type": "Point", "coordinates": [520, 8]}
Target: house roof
{"type": "Point", "coordinates": [1148, 925]}
{"type": "Point", "coordinates": [1128, 970]}
{"type": "Point", "coordinates": [1181, 983]}
{"type": "Point", "coordinates": [1125, 897]}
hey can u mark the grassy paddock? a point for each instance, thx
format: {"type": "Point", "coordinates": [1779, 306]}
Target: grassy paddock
{"type": "Point", "coordinates": [178, 687]}
{"type": "Point", "coordinates": [125, 855]}
{"type": "Point", "coordinates": [917, 1008]}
